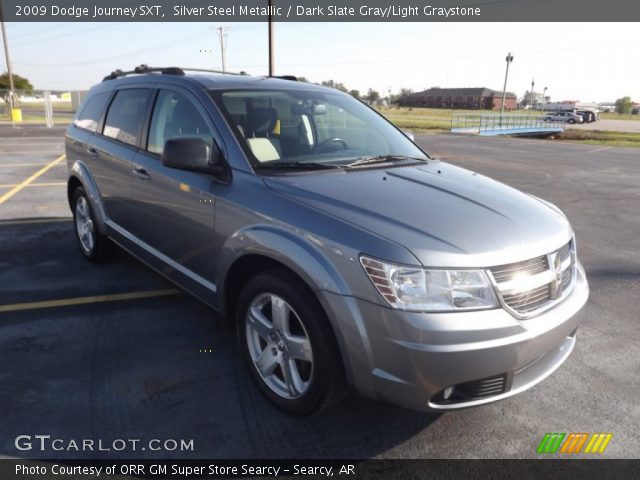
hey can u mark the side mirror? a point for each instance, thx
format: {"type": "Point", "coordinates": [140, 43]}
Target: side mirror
{"type": "Point", "coordinates": [409, 135]}
{"type": "Point", "coordinates": [192, 154]}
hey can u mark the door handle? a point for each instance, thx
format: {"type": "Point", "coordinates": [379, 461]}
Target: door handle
{"type": "Point", "coordinates": [141, 173]}
{"type": "Point", "coordinates": [92, 151]}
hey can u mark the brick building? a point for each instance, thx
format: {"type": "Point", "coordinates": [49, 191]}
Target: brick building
{"type": "Point", "coordinates": [466, 98]}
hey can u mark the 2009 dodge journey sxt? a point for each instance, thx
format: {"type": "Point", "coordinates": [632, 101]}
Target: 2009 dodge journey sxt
{"type": "Point", "coordinates": [342, 253]}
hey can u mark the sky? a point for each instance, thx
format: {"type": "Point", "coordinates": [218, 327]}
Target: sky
{"type": "Point", "coordinates": [588, 62]}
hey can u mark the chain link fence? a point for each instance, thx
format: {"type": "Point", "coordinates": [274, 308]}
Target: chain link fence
{"type": "Point", "coordinates": [39, 107]}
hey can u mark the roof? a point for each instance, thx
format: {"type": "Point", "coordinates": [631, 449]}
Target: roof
{"type": "Point", "coordinates": [208, 80]}
{"type": "Point", "coordinates": [462, 92]}
{"type": "Point", "coordinates": [212, 82]}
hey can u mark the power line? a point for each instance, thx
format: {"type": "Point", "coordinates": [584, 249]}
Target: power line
{"type": "Point", "coordinates": [29, 34]}
{"type": "Point", "coordinates": [171, 44]}
{"type": "Point", "coordinates": [71, 34]}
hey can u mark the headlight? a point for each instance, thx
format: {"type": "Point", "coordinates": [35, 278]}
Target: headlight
{"type": "Point", "coordinates": [418, 289]}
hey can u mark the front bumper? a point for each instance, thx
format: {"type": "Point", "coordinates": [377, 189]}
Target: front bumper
{"type": "Point", "coordinates": [409, 359]}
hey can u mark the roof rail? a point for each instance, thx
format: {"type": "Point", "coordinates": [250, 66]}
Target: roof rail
{"type": "Point", "coordinates": [293, 78]}
{"type": "Point", "coordinates": [206, 70]}
{"type": "Point", "coordinates": [142, 69]}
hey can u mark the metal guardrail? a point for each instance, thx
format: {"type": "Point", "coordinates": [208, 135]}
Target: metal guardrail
{"type": "Point", "coordinates": [496, 124]}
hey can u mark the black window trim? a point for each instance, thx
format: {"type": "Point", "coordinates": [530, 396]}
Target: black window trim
{"type": "Point", "coordinates": [103, 115]}
{"type": "Point", "coordinates": [149, 88]}
{"type": "Point", "coordinates": [195, 101]}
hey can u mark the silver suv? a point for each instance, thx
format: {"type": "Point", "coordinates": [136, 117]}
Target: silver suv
{"type": "Point", "coordinates": [340, 251]}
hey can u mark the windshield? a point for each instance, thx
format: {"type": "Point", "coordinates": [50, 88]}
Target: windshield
{"type": "Point", "coordinates": [295, 127]}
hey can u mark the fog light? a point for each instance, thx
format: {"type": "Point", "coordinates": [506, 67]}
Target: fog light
{"type": "Point", "coordinates": [448, 392]}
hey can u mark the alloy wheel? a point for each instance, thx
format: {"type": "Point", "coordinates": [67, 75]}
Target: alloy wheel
{"type": "Point", "coordinates": [84, 225]}
{"type": "Point", "coordinates": [279, 346]}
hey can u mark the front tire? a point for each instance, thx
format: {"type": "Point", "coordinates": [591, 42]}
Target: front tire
{"type": "Point", "coordinates": [572, 121]}
{"type": "Point", "coordinates": [288, 344]}
{"type": "Point", "coordinates": [94, 246]}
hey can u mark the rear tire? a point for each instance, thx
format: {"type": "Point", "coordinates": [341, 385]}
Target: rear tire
{"type": "Point", "coordinates": [94, 246]}
{"type": "Point", "coordinates": [288, 344]}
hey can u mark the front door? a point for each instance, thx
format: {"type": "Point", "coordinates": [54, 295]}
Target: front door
{"type": "Point", "coordinates": [175, 209]}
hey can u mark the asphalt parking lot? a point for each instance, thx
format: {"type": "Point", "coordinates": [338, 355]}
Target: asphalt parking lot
{"type": "Point", "coordinates": [113, 351]}
{"type": "Point", "coordinates": [632, 126]}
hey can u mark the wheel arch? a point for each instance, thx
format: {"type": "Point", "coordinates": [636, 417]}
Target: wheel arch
{"type": "Point", "coordinates": [262, 248]}
{"type": "Point", "coordinates": [259, 248]}
{"type": "Point", "coordinates": [79, 176]}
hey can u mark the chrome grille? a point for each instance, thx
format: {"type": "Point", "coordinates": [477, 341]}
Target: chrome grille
{"type": "Point", "coordinates": [530, 267]}
{"type": "Point", "coordinates": [565, 251]}
{"type": "Point", "coordinates": [528, 301]}
{"type": "Point", "coordinates": [532, 286]}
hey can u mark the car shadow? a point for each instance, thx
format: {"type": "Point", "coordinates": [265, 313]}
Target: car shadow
{"type": "Point", "coordinates": [164, 368]}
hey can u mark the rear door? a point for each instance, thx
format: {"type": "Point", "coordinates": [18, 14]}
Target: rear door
{"type": "Point", "coordinates": [113, 151]}
{"type": "Point", "coordinates": [80, 135]}
{"type": "Point", "coordinates": [174, 208]}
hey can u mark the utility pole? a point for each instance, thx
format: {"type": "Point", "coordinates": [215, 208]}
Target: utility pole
{"type": "Point", "coordinates": [544, 97]}
{"type": "Point", "coordinates": [271, 69]}
{"type": "Point", "coordinates": [12, 91]}
{"type": "Point", "coordinates": [531, 94]}
{"type": "Point", "coordinates": [223, 35]}
{"type": "Point", "coordinates": [509, 59]}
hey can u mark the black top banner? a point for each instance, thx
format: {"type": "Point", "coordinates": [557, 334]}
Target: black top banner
{"type": "Point", "coordinates": [320, 11]}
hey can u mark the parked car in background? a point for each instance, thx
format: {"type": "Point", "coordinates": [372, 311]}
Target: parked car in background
{"type": "Point", "coordinates": [568, 117]}
{"type": "Point", "coordinates": [635, 111]}
{"type": "Point", "coordinates": [338, 249]}
{"type": "Point", "coordinates": [589, 116]}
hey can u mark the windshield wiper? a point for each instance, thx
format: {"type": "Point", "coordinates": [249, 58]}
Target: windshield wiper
{"type": "Point", "coordinates": [293, 165]}
{"type": "Point", "coordinates": [383, 159]}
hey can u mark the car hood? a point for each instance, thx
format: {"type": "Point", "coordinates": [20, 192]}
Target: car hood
{"type": "Point", "coordinates": [445, 215]}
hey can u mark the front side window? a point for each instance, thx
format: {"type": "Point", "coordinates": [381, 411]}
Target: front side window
{"type": "Point", "coordinates": [304, 126]}
{"type": "Point", "coordinates": [90, 115]}
{"type": "Point", "coordinates": [126, 115]}
{"type": "Point", "coordinates": [175, 116]}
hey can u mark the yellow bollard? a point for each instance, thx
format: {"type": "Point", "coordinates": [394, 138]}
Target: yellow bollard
{"type": "Point", "coordinates": [16, 114]}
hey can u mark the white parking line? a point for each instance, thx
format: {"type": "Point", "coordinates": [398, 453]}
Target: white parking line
{"type": "Point", "coordinates": [599, 149]}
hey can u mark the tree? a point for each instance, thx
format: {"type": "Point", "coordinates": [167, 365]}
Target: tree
{"type": "Point", "coordinates": [303, 79]}
{"type": "Point", "coordinates": [354, 93]}
{"type": "Point", "coordinates": [336, 85]}
{"type": "Point", "coordinates": [372, 95]}
{"type": "Point", "coordinates": [19, 83]}
{"type": "Point", "coordinates": [403, 97]}
{"type": "Point", "coordinates": [624, 105]}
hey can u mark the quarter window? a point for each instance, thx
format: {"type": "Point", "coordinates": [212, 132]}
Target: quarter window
{"type": "Point", "coordinates": [90, 115]}
{"type": "Point", "coordinates": [175, 116]}
{"type": "Point", "coordinates": [126, 115]}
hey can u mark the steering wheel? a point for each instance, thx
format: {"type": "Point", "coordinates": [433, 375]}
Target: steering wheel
{"type": "Point", "coordinates": [319, 147]}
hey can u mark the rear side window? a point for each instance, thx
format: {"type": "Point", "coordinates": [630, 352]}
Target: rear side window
{"type": "Point", "coordinates": [126, 114]}
{"type": "Point", "coordinates": [174, 116]}
{"type": "Point", "coordinates": [90, 115]}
